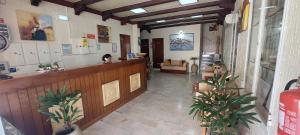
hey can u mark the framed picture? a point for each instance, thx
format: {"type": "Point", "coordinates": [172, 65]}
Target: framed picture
{"type": "Point", "coordinates": [35, 26]}
{"type": "Point", "coordinates": [114, 47]}
{"type": "Point", "coordinates": [182, 42]}
{"type": "Point", "coordinates": [98, 47]}
{"type": "Point", "coordinates": [245, 15]}
{"type": "Point", "coordinates": [67, 49]}
{"type": "Point", "coordinates": [104, 34]}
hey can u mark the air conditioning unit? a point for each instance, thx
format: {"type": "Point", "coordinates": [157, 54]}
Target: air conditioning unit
{"type": "Point", "coordinates": [232, 18]}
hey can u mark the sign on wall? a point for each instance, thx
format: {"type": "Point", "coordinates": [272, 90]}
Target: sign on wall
{"type": "Point", "coordinates": [35, 26]}
{"type": "Point", "coordinates": [182, 42]}
{"type": "Point", "coordinates": [104, 34]}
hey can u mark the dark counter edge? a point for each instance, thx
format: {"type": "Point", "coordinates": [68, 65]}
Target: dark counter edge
{"type": "Point", "coordinates": [39, 79]}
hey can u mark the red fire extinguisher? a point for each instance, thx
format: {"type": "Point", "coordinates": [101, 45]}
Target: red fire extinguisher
{"type": "Point", "coordinates": [289, 111]}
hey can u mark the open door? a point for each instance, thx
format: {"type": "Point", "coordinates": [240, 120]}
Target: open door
{"type": "Point", "coordinates": [158, 51]}
{"type": "Point", "coordinates": [145, 46]}
{"type": "Point", "coordinates": [125, 46]}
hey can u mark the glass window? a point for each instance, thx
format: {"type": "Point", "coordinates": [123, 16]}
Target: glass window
{"type": "Point", "coordinates": [269, 55]}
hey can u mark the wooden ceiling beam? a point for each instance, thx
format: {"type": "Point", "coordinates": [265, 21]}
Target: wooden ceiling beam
{"type": "Point", "coordinates": [185, 21]}
{"type": "Point", "coordinates": [62, 2]}
{"type": "Point", "coordinates": [218, 11]}
{"type": "Point", "coordinates": [172, 10]}
{"type": "Point", "coordinates": [87, 9]}
{"type": "Point", "coordinates": [35, 2]}
{"type": "Point", "coordinates": [138, 5]}
{"type": "Point", "coordinates": [81, 5]}
{"type": "Point", "coordinates": [88, 2]}
{"type": "Point", "coordinates": [229, 4]}
{"type": "Point", "coordinates": [183, 24]}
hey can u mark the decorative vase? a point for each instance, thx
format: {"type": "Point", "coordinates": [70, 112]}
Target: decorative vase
{"type": "Point", "coordinates": [76, 131]}
{"type": "Point", "coordinates": [194, 68]}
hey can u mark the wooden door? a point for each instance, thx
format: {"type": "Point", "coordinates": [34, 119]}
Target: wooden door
{"type": "Point", "coordinates": [158, 51]}
{"type": "Point", "coordinates": [145, 46]}
{"type": "Point", "coordinates": [125, 46]}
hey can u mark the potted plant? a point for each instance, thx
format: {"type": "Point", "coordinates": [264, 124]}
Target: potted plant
{"type": "Point", "coordinates": [222, 109]}
{"type": "Point", "coordinates": [48, 66]}
{"type": "Point", "coordinates": [64, 111]}
{"type": "Point", "coordinates": [194, 67]}
{"type": "Point", "coordinates": [41, 67]}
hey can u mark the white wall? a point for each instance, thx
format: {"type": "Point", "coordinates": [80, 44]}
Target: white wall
{"type": "Point", "coordinates": [242, 37]}
{"type": "Point", "coordinates": [288, 64]}
{"type": "Point", "coordinates": [165, 32]}
{"type": "Point", "coordinates": [287, 67]}
{"type": "Point", "coordinates": [68, 31]}
{"type": "Point", "coordinates": [227, 44]}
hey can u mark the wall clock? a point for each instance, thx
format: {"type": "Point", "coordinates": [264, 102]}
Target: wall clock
{"type": "Point", "coordinates": [3, 43]}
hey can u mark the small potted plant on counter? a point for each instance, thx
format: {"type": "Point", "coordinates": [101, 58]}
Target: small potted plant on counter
{"type": "Point", "coordinates": [62, 109]}
{"type": "Point", "coordinates": [41, 67]}
{"type": "Point", "coordinates": [222, 109]}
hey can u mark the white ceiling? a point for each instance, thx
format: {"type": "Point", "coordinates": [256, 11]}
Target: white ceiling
{"type": "Point", "coordinates": [112, 4]}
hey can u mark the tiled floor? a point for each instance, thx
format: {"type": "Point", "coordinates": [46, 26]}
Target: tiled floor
{"type": "Point", "coordinates": [161, 110]}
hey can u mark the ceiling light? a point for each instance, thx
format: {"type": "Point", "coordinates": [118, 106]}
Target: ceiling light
{"type": "Point", "coordinates": [63, 17]}
{"type": "Point", "coordinates": [138, 10]}
{"type": "Point", "coordinates": [185, 2]}
{"type": "Point", "coordinates": [196, 16]}
{"type": "Point", "coordinates": [161, 21]}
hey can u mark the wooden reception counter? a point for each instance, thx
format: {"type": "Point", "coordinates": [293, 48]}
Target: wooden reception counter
{"type": "Point", "coordinates": [104, 88]}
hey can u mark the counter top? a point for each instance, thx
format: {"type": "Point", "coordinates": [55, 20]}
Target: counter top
{"type": "Point", "coordinates": [124, 80]}
{"type": "Point", "coordinates": [36, 78]}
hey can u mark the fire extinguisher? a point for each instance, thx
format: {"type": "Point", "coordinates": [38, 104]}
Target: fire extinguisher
{"type": "Point", "coordinates": [289, 110]}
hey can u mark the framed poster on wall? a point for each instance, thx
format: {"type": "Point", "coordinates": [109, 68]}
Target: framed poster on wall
{"type": "Point", "coordinates": [182, 42]}
{"type": "Point", "coordinates": [114, 47]}
{"type": "Point", "coordinates": [104, 34]}
{"type": "Point", "coordinates": [35, 26]}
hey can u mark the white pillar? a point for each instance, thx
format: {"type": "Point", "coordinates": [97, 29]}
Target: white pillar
{"type": "Point", "coordinates": [248, 44]}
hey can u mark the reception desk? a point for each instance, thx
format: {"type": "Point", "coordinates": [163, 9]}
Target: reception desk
{"type": "Point", "coordinates": [104, 88]}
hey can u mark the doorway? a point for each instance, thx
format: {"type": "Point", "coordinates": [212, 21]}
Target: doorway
{"type": "Point", "coordinates": [158, 51]}
{"type": "Point", "coordinates": [145, 46]}
{"type": "Point", "coordinates": [125, 46]}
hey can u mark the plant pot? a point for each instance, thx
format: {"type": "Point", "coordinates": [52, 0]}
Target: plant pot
{"type": "Point", "coordinates": [76, 131]}
{"type": "Point", "coordinates": [194, 68]}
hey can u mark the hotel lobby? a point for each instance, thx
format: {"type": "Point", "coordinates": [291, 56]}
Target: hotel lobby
{"type": "Point", "coordinates": [149, 67]}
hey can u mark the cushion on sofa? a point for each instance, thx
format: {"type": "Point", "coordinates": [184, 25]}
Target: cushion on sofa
{"type": "Point", "coordinates": [176, 62]}
{"type": "Point", "coordinates": [181, 68]}
{"type": "Point", "coordinates": [167, 62]}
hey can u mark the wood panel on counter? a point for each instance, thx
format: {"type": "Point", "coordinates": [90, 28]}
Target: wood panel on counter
{"type": "Point", "coordinates": [19, 103]}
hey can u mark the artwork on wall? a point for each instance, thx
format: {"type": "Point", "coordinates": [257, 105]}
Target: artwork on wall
{"type": "Point", "coordinates": [35, 26]}
{"type": "Point", "coordinates": [245, 15]}
{"type": "Point", "coordinates": [182, 42]}
{"type": "Point", "coordinates": [67, 49]}
{"type": "Point", "coordinates": [104, 34]}
{"type": "Point", "coordinates": [98, 47]}
{"type": "Point", "coordinates": [114, 47]}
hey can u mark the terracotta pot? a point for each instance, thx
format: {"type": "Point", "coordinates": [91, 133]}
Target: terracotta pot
{"type": "Point", "coordinates": [76, 131]}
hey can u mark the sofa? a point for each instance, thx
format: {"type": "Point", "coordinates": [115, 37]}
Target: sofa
{"type": "Point", "coordinates": [174, 66]}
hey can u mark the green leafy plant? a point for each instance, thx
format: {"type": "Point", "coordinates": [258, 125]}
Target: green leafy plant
{"type": "Point", "coordinates": [194, 59]}
{"type": "Point", "coordinates": [42, 66]}
{"type": "Point", "coordinates": [64, 101]}
{"type": "Point", "coordinates": [48, 66]}
{"type": "Point", "coordinates": [222, 109]}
